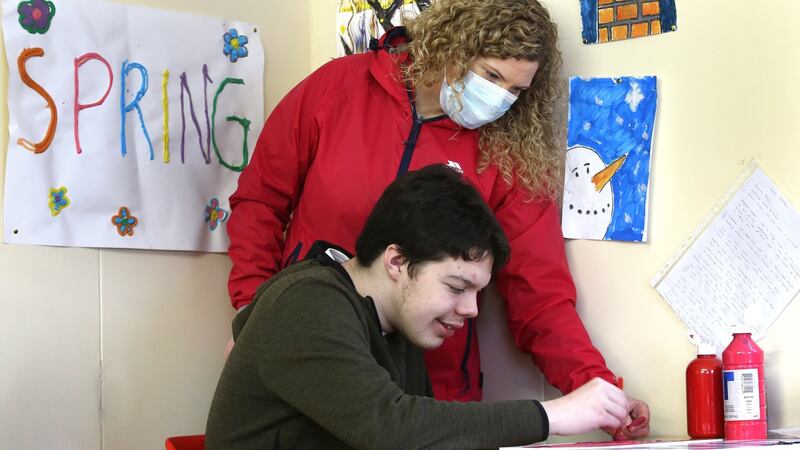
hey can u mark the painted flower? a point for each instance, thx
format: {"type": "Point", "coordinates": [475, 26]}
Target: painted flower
{"type": "Point", "coordinates": [234, 45]}
{"type": "Point", "coordinates": [35, 15]}
{"type": "Point", "coordinates": [58, 200]}
{"type": "Point", "coordinates": [124, 221]}
{"type": "Point", "coordinates": [214, 214]}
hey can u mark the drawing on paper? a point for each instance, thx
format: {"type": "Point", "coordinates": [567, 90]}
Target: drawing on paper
{"type": "Point", "coordinates": [124, 221]}
{"type": "Point", "coordinates": [58, 200]}
{"type": "Point", "coordinates": [112, 135]}
{"type": "Point", "coordinates": [610, 20]}
{"type": "Point", "coordinates": [44, 144]}
{"type": "Point", "coordinates": [214, 214]}
{"type": "Point", "coordinates": [607, 169]}
{"type": "Point", "coordinates": [591, 196]}
{"type": "Point", "coordinates": [234, 47]}
{"type": "Point", "coordinates": [359, 21]}
{"type": "Point", "coordinates": [35, 15]}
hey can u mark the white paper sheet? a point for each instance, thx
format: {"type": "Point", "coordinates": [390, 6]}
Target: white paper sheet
{"type": "Point", "coordinates": [169, 196]}
{"type": "Point", "coordinates": [742, 268]}
{"type": "Point", "coordinates": [671, 445]}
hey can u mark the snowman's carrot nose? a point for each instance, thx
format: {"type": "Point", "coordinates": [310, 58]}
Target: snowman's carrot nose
{"type": "Point", "coordinates": [600, 179]}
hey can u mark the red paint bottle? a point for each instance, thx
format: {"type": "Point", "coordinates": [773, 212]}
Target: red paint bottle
{"type": "Point", "coordinates": [704, 419]}
{"type": "Point", "coordinates": [744, 391]}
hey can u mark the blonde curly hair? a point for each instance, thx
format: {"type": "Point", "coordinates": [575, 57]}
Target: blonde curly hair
{"type": "Point", "coordinates": [450, 34]}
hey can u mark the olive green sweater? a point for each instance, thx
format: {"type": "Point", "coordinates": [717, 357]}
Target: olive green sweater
{"type": "Point", "coordinates": [311, 369]}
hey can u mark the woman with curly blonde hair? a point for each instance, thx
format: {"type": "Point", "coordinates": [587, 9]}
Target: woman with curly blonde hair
{"type": "Point", "coordinates": [471, 84]}
{"type": "Point", "coordinates": [455, 36]}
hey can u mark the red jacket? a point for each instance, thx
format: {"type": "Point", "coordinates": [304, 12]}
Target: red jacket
{"type": "Point", "coordinates": [325, 155]}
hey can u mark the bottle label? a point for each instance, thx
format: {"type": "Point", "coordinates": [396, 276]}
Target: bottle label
{"type": "Point", "coordinates": [741, 395]}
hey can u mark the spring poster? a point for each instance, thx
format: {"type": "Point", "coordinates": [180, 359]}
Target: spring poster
{"type": "Point", "coordinates": [128, 126]}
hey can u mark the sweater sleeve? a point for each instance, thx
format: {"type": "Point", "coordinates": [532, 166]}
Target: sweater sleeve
{"type": "Point", "coordinates": [269, 188]}
{"type": "Point", "coordinates": [540, 295]}
{"type": "Point", "coordinates": [316, 357]}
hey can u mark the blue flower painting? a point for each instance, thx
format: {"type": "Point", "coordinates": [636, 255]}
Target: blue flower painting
{"type": "Point", "coordinates": [609, 142]}
{"type": "Point", "coordinates": [124, 221]}
{"type": "Point", "coordinates": [234, 47]}
{"type": "Point", "coordinates": [58, 200]}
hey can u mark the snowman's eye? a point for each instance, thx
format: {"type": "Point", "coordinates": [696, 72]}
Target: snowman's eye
{"type": "Point", "coordinates": [587, 170]}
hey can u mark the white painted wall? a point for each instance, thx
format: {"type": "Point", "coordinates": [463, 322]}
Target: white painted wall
{"type": "Point", "coordinates": [727, 88]}
{"type": "Point", "coordinates": [727, 94]}
{"type": "Point", "coordinates": [158, 321]}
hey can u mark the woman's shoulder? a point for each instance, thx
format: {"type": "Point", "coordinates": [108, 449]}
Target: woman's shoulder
{"type": "Point", "coordinates": [511, 193]}
{"type": "Point", "coordinates": [345, 68]}
{"type": "Point", "coordinates": [336, 78]}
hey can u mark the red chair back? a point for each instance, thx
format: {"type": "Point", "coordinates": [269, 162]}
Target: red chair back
{"type": "Point", "coordinates": [196, 442]}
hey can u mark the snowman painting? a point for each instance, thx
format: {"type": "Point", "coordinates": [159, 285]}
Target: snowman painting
{"type": "Point", "coordinates": [607, 163]}
{"type": "Point", "coordinates": [588, 196]}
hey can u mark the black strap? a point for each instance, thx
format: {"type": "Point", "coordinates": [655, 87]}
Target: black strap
{"type": "Point", "coordinates": [317, 251]}
{"type": "Point", "coordinates": [385, 15]}
{"type": "Point", "coordinates": [465, 359]}
{"type": "Point", "coordinates": [387, 38]}
{"type": "Point", "coordinates": [294, 255]}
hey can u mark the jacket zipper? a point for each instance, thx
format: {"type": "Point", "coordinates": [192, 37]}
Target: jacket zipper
{"type": "Point", "coordinates": [405, 162]}
{"type": "Point", "coordinates": [294, 255]}
{"type": "Point", "coordinates": [411, 143]}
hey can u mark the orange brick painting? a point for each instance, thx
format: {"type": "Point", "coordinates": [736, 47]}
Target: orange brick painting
{"type": "Point", "coordinates": [608, 21]}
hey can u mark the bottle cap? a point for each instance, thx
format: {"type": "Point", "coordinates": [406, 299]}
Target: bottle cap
{"type": "Point", "coordinates": [706, 349]}
{"type": "Point", "coordinates": [742, 329]}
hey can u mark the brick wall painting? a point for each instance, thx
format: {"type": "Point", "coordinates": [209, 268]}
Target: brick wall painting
{"type": "Point", "coordinates": [607, 177]}
{"type": "Point", "coordinates": [616, 20]}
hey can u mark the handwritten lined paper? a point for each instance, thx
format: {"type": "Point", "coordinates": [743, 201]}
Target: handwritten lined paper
{"type": "Point", "coordinates": [743, 268]}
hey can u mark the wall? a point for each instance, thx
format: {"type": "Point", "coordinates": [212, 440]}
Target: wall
{"type": "Point", "coordinates": [727, 95]}
{"type": "Point", "coordinates": [154, 324]}
{"type": "Point", "coordinates": [118, 349]}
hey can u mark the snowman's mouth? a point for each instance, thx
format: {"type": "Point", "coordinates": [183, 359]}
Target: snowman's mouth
{"type": "Point", "coordinates": [590, 211]}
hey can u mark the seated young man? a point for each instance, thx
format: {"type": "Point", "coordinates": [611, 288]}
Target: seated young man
{"type": "Point", "coordinates": [329, 354]}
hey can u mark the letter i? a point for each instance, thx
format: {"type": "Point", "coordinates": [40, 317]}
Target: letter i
{"type": "Point", "coordinates": [165, 102]}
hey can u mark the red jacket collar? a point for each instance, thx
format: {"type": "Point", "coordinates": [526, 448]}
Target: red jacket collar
{"type": "Point", "coordinates": [386, 66]}
{"type": "Point", "coordinates": [386, 62]}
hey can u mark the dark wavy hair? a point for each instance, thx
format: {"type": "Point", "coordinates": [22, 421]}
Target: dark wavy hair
{"type": "Point", "coordinates": [432, 213]}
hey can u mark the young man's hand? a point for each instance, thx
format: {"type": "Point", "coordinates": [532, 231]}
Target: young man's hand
{"type": "Point", "coordinates": [596, 404]}
{"type": "Point", "coordinates": [636, 425]}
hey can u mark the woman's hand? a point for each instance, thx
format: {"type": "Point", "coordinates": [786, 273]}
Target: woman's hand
{"type": "Point", "coordinates": [596, 404]}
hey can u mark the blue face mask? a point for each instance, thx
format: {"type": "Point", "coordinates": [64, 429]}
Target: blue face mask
{"type": "Point", "coordinates": [480, 101]}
